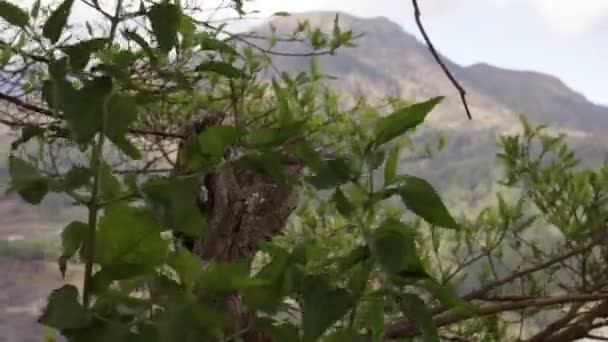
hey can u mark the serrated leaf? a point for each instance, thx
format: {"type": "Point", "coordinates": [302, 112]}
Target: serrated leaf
{"type": "Point", "coordinates": [109, 186]}
{"type": "Point", "coordinates": [80, 53]}
{"type": "Point", "coordinates": [122, 112]}
{"type": "Point", "coordinates": [221, 68]}
{"type": "Point", "coordinates": [76, 178]}
{"type": "Point", "coordinates": [331, 173]}
{"type": "Point", "coordinates": [266, 163]}
{"type": "Point", "coordinates": [165, 19]}
{"type": "Point", "coordinates": [447, 296]}
{"type": "Point", "coordinates": [27, 181]}
{"type": "Point", "coordinates": [285, 115]}
{"type": "Point", "coordinates": [187, 266]}
{"type": "Point", "coordinates": [308, 155]}
{"type": "Point", "coordinates": [83, 107]}
{"type": "Point", "coordinates": [63, 310]}
{"type": "Point", "coordinates": [401, 121]}
{"type": "Point", "coordinates": [395, 250]}
{"type": "Point", "coordinates": [57, 20]}
{"type": "Point", "coordinates": [390, 168]}
{"type": "Point", "coordinates": [269, 296]}
{"type": "Point", "coordinates": [35, 9]}
{"type": "Point", "coordinates": [72, 238]}
{"type": "Point", "coordinates": [214, 140]}
{"type": "Point", "coordinates": [139, 40]}
{"type": "Point", "coordinates": [211, 43]}
{"type": "Point", "coordinates": [420, 197]}
{"type": "Point", "coordinates": [13, 14]}
{"type": "Point", "coordinates": [273, 136]}
{"type": "Point", "coordinates": [354, 258]}
{"type": "Point", "coordinates": [323, 306]}
{"type": "Point", "coordinates": [415, 310]}
{"type": "Point", "coordinates": [173, 201]}
{"type": "Point", "coordinates": [129, 235]}
{"type": "Point", "coordinates": [345, 208]}
{"type": "Point", "coordinates": [27, 133]}
{"type": "Point", "coordinates": [220, 278]}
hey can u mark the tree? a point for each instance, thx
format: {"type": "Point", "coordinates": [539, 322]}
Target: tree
{"type": "Point", "coordinates": [226, 204]}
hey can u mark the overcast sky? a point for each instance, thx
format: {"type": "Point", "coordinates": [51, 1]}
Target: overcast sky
{"type": "Point", "coordinates": [565, 38]}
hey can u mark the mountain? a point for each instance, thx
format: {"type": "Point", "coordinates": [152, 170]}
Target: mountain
{"type": "Point", "coordinates": [390, 61]}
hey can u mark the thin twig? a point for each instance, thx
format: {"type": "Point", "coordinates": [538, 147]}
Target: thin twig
{"type": "Point", "coordinates": [438, 59]}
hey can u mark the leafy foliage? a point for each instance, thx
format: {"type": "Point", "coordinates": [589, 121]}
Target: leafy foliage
{"type": "Point", "coordinates": [158, 129]}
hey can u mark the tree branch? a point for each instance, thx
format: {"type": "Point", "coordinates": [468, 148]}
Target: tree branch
{"type": "Point", "coordinates": [439, 60]}
{"type": "Point", "coordinates": [408, 329]}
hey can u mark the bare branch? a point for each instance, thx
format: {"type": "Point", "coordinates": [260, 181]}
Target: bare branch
{"type": "Point", "coordinates": [439, 60]}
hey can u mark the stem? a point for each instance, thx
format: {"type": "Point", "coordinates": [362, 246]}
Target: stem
{"type": "Point", "coordinates": [93, 206]}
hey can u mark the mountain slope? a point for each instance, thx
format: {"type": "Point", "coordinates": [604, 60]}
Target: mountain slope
{"type": "Point", "coordinates": [389, 61]}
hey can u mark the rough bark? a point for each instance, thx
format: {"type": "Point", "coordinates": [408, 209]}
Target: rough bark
{"type": "Point", "coordinates": [242, 208]}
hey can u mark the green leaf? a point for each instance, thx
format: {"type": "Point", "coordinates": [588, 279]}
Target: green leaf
{"type": "Point", "coordinates": [220, 278]}
{"type": "Point", "coordinates": [134, 36]}
{"type": "Point", "coordinates": [208, 42]}
{"type": "Point", "coordinates": [100, 331]}
{"type": "Point", "coordinates": [73, 237]}
{"type": "Point", "coordinates": [420, 197]}
{"type": "Point", "coordinates": [27, 133]}
{"type": "Point", "coordinates": [165, 19]}
{"type": "Point", "coordinates": [122, 112]}
{"type": "Point", "coordinates": [390, 168]}
{"type": "Point", "coordinates": [35, 9]}
{"type": "Point", "coordinates": [354, 258]}
{"type": "Point", "coordinates": [57, 20]}
{"type": "Point", "coordinates": [331, 173]}
{"type": "Point", "coordinates": [266, 163]}
{"type": "Point", "coordinates": [13, 14]}
{"type": "Point", "coordinates": [173, 200]}
{"type": "Point", "coordinates": [285, 115]}
{"type": "Point", "coordinates": [308, 155]}
{"type": "Point", "coordinates": [269, 296]}
{"type": "Point", "coordinates": [323, 306]}
{"type": "Point", "coordinates": [395, 249]}
{"type": "Point", "coordinates": [129, 235]}
{"type": "Point", "coordinates": [80, 53]}
{"type": "Point", "coordinates": [27, 181]}
{"type": "Point", "coordinates": [63, 310]}
{"type": "Point", "coordinates": [187, 266]}
{"type": "Point", "coordinates": [281, 14]}
{"type": "Point", "coordinates": [214, 141]}
{"type": "Point", "coordinates": [77, 178]}
{"type": "Point", "coordinates": [399, 122]}
{"type": "Point", "coordinates": [345, 208]}
{"type": "Point", "coordinates": [447, 296]}
{"type": "Point", "coordinates": [188, 31]}
{"type": "Point", "coordinates": [415, 310]}
{"type": "Point", "coordinates": [221, 68]}
{"type": "Point", "coordinates": [109, 185]}
{"type": "Point", "coordinates": [83, 107]}
{"type": "Point", "coordinates": [274, 136]}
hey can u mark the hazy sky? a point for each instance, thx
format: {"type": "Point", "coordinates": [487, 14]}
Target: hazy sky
{"type": "Point", "coordinates": [565, 38]}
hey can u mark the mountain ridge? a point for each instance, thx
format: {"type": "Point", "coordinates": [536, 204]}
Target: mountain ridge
{"type": "Point", "coordinates": [413, 73]}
